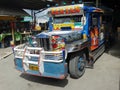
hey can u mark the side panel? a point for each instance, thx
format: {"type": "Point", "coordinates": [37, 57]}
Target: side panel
{"type": "Point", "coordinates": [96, 33]}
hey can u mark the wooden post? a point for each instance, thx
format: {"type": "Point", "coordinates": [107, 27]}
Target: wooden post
{"type": "Point", "coordinates": [45, 26]}
{"type": "Point", "coordinates": [12, 27]}
{"type": "Point", "coordinates": [97, 2]}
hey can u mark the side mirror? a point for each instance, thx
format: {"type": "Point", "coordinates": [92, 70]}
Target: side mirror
{"type": "Point", "coordinates": [83, 20]}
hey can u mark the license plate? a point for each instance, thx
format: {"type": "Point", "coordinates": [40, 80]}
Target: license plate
{"type": "Point", "coordinates": [33, 67]}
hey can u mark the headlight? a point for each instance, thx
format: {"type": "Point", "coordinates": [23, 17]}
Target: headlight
{"type": "Point", "coordinates": [35, 43]}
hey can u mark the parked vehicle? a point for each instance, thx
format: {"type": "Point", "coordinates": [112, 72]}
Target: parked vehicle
{"type": "Point", "coordinates": [74, 41]}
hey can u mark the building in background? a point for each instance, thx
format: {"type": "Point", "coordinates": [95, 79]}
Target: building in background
{"type": "Point", "coordinates": [11, 25]}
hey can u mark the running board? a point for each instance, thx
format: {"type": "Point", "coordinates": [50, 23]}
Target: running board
{"type": "Point", "coordinates": [98, 52]}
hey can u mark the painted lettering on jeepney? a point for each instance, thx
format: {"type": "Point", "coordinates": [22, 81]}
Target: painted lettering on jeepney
{"type": "Point", "coordinates": [61, 11]}
{"type": "Point", "coordinates": [65, 10]}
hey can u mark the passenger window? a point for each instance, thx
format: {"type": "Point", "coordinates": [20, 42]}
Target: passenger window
{"type": "Point", "coordinates": [94, 20]}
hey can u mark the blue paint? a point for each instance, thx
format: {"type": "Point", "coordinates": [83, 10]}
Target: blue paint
{"type": "Point", "coordinates": [51, 70]}
{"type": "Point", "coordinates": [89, 9]}
{"type": "Point", "coordinates": [18, 64]}
{"type": "Point", "coordinates": [34, 59]}
{"type": "Point", "coordinates": [50, 24]}
{"type": "Point", "coordinates": [19, 68]}
{"type": "Point", "coordinates": [42, 35]}
{"type": "Point", "coordinates": [51, 75]}
{"type": "Point", "coordinates": [79, 62]}
{"type": "Point", "coordinates": [54, 68]}
{"type": "Point", "coordinates": [86, 27]}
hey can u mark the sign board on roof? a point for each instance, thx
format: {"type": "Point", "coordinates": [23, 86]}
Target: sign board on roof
{"type": "Point", "coordinates": [27, 18]}
{"type": "Point", "coordinates": [67, 10]}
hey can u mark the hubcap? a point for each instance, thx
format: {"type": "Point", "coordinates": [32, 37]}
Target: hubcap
{"type": "Point", "coordinates": [81, 64]}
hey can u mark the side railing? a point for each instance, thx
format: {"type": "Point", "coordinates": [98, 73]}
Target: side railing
{"type": "Point", "coordinates": [46, 56]}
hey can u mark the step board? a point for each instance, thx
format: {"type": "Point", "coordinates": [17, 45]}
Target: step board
{"type": "Point", "coordinates": [98, 52]}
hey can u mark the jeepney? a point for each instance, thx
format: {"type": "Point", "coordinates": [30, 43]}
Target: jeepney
{"type": "Point", "coordinates": [74, 40]}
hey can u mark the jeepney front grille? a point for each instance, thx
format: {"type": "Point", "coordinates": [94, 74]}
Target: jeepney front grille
{"type": "Point", "coordinates": [44, 43]}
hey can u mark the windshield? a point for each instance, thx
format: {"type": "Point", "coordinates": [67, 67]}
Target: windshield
{"type": "Point", "coordinates": [67, 19]}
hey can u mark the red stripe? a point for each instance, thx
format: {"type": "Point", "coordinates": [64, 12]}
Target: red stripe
{"type": "Point", "coordinates": [23, 59]}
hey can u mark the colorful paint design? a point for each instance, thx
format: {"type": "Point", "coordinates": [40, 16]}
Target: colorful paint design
{"type": "Point", "coordinates": [58, 43]}
{"type": "Point", "coordinates": [54, 65]}
{"type": "Point", "coordinates": [70, 26]}
{"type": "Point", "coordinates": [65, 10]}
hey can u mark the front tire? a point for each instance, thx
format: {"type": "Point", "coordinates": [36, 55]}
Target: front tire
{"type": "Point", "coordinates": [77, 65]}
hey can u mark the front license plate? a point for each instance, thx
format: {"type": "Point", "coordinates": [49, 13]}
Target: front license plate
{"type": "Point", "coordinates": [33, 67]}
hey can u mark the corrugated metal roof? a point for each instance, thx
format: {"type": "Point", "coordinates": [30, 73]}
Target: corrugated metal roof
{"type": "Point", "coordinates": [12, 12]}
{"type": "Point", "coordinates": [26, 4]}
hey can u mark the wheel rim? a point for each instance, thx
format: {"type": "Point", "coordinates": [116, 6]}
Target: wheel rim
{"type": "Point", "coordinates": [81, 64]}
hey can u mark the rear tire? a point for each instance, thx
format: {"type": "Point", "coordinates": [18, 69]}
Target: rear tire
{"type": "Point", "coordinates": [77, 65]}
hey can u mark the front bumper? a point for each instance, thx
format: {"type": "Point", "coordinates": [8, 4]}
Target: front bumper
{"type": "Point", "coordinates": [41, 65]}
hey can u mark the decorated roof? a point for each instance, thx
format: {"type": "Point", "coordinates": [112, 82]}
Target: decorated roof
{"type": "Point", "coordinates": [76, 9]}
